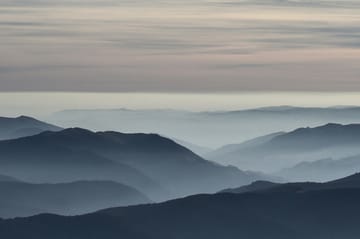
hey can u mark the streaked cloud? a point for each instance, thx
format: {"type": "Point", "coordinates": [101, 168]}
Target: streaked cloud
{"type": "Point", "coordinates": [179, 45]}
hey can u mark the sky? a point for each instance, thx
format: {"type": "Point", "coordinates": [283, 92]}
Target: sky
{"type": "Point", "coordinates": [179, 46]}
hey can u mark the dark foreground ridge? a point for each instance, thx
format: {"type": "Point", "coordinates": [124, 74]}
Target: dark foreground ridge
{"type": "Point", "coordinates": [331, 212]}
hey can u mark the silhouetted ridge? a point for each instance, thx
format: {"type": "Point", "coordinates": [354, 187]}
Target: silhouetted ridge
{"type": "Point", "coordinates": [146, 140]}
{"type": "Point", "coordinates": [144, 161]}
{"type": "Point", "coordinates": [323, 169]}
{"type": "Point", "coordinates": [66, 156]}
{"type": "Point", "coordinates": [255, 186]}
{"type": "Point", "coordinates": [286, 150]}
{"type": "Point", "coordinates": [352, 181]}
{"type": "Point", "coordinates": [23, 126]}
{"type": "Point", "coordinates": [228, 127]}
{"type": "Point", "coordinates": [322, 136]}
{"type": "Point", "coordinates": [233, 148]}
{"type": "Point", "coordinates": [24, 199]}
{"type": "Point", "coordinates": [287, 212]}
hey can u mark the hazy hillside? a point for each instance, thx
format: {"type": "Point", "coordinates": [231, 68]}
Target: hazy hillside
{"type": "Point", "coordinates": [328, 213]}
{"type": "Point", "coordinates": [322, 170]}
{"type": "Point", "coordinates": [24, 199]}
{"type": "Point", "coordinates": [199, 150]}
{"type": "Point", "coordinates": [210, 129]}
{"type": "Point", "coordinates": [153, 164]}
{"type": "Point", "coordinates": [40, 159]}
{"type": "Point", "coordinates": [23, 126]}
{"type": "Point", "coordinates": [180, 119]}
{"type": "Point", "coordinates": [288, 149]}
{"type": "Point", "coordinates": [233, 148]}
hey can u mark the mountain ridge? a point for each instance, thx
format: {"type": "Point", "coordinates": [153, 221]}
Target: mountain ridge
{"type": "Point", "coordinates": [313, 214]}
{"type": "Point", "coordinates": [288, 149]}
{"type": "Point", "coordinates": [352, 181]}
{"type": "Point", "coordinates": [72, 198]}
{"type": "Point", "coordinates": [23, 126]}
{"type": "Point", "coordinates": [200, 127]}
{"type": "Point", "coordinates": [163, 164]}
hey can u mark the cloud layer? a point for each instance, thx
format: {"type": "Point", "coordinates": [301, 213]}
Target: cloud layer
{"type": "Point", "coordinates": [179, 45]}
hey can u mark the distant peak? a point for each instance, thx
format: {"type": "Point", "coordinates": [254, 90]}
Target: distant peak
{"type": "Point", "coordinates": [76, 130]}
{"type": "Point", "coordinates": [24, 117]}
{"type": "Point", "coordinates": [260, 182]}
{"type": "Point", "coordinates": [278, 108]}
{"type": "Point", "coordinates": [332, 125]}
{"type": "Point", "coordinates": [328, 125]}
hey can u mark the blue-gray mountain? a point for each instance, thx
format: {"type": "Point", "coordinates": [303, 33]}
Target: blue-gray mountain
{"type": "Point", "coordinates": [46, 158]}
{"type": "Point", "coordinates": [352, 181]}
{"type": "Point", "coordinates": [150, 163]}
{"type": "Point", "coordinates": [283, 150]}
{"type": "Point", "coordinates": [24, 199]}
{"type": "Point", "coordinates": [21, 126]}
{"type": "Point", "coordinates": [210, 129]}
{"type": "Point", "coordinates": [298, 211]}
{"type": "Point", "coordinates": [323, 169]}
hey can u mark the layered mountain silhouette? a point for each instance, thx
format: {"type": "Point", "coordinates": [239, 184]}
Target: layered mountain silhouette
{"type": "Point", "coordinates": [233, 148]}
{"type": "Point", "coordinates": [153, 164]}
{"type": "Point", "coordinates": [199, 150]}
{"type": "Point", "coordinates": [306, 210]}
{"type": "Point", "coordinates": [322, 170]}
{"type": "Point", "coordinates": [288, 149]}
{"type": "Point", "coordinates": [254, 186]}
{"type": "Point", "coordinates": [352, 181]}
{"type": "Point", "coordinates": [43, 159]}
{"type": "Point", "coordinates": [210, 129]}
{"type": "Point", "coordinates": [21, 126]}
{"type": "Point", "coordinates": [24, 199]}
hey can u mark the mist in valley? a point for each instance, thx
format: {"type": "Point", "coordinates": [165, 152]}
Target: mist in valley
{"type": "Point", "coordinates": [179, 119]}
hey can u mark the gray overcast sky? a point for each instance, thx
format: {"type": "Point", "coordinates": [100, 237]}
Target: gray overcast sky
{"type": "Point", "coordinates": [179, 45]}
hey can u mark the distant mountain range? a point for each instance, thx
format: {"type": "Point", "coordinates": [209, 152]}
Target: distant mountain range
{"type": "Point", "coordinates": [24, 199]}
{"type": "Point", "coordinates": [155, 165]}
{"type": "Point", "coordinates": [209, 129]}
{"type": "Point", "coordinates": [51, 157]}
{"type": "Point", "coordinates": [233, 148]}
{"type": "Point", "coordinates": [11, 128]}
{"type": "Point", "coordinates": [296, 211]}
{"type": "Point", "coordinates": [283, 150]}
{"type": "Point", "coordinates": [77, 171]}
{"type": "Point", "coordinates": [352, 181]}
{"type": "Point", "coordinates": [322, 170]}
